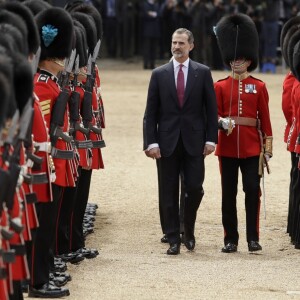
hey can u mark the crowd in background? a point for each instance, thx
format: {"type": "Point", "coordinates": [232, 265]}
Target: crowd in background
{"type": "Point", "coordinates": [144, 27]}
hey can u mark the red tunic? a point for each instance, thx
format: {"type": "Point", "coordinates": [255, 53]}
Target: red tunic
{"type": "Point", "coordinates": [97, 162]}
{"type": "Point", "coordinates": [29, 216]}
{"type": "Point", "coordinates": [296, 109]}
{"type": "Point", "coordinates": [249, 99]}
{"type": "Point", "coordinates": [41, 137]}
{"type": "Point", "coordinates": [292, 135]}
{"type": "Point", "coordinates": [47, 90]}
{"type": "Point", "coordinates": [286, 104]}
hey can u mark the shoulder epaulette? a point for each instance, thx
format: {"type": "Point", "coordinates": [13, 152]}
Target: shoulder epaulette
{"type": "Point", "coordinates": [223, 79]}
{"type": "Point", "coordinates": [43, 78]}
{"type": "Point", "coordinates": [256, 78]}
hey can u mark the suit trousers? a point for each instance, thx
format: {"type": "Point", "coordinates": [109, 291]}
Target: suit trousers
{"type": "Point", "coordinates": [229, 168]}
{"type": "Point", "coordinates": [169, 170]}
{"type": "Point", "coordinates": [181, 202]}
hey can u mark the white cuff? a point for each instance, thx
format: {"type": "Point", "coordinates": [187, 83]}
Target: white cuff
{"type": "Point", "coordinates": [151, 146]}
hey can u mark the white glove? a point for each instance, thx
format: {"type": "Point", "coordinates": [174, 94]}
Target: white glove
{"type": "Point", "coordinates": [225, 123]}
{"type": "Point", "coordinates": [267, 157]}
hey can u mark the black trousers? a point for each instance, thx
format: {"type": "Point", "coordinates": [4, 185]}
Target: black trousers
{"type": "Point", "coordinates": [229, 168]}
{"type": "Point", "coordinates": [294, 194]}
{"type": "Point", "coordinates": [64, 215]}
{"type": "Point", "coordinates": [149, 51]}
{"type": "Point", "coordinates": [193, 173]}
{"type": "Point", "coordinates": [44, 239]}
{"type": "Point", "coordinates": [82, 195]}
{"type": "Point", "coordinates": [295, 210]}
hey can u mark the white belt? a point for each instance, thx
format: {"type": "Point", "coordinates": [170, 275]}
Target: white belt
{"type": "Point", "coordinates": [43, 147]}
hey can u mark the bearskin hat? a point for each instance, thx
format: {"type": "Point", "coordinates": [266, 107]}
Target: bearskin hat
{"type": "Point", "coordinates": [36, 6]}
{"type": "Point", "coordinates": [94, 13]}
{"type": "Point", "coordinates": [24, 12]}
{"type": "Point", "coordinates": [89, 25]}
{"type": "Point", "coordinates": [4, 90]}
{"type": "Point", "coordinates": [5, 87]}
{"type": "Point", "coordinates": [12, 39]}
{"type": "Point", "coordinates": [7, 17]}
{"type": "Point", "coordinates": [296, 60]}
{"type": "Point", "coordinates": [288, 29]}
{"type": "Point", "coordinates": [56, 33]}
{"type": "Point", "coordinates": [81, 44]}
{"type": "Point", "coordinates": [72, 3]}
{"type": "Point", "coordinates": [6, 69]}
{"type": "Point", "coordinates": [290, 49]}
{"type": "Point", "coordinates": [23, 81]}
{"type": "Point", "coordinates": [238, 38]}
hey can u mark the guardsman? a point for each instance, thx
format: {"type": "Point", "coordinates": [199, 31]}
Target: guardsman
{"type": "Point", "coordinates": [294, 60]}
{"type": "Point", "coordinates": [56, 35]}
{"type": "Point", "coordinates": [21, 214]}
{"type": "Point", "coordinates": [289, 37]}
{"type": "Point", "coordinates": [5, 91]}
{"type": "Point", "coordinates": [245, 135]}
{"type": "Point", "coordinates": [94, 122]}
{"type": "Point", "coordinates": [82, 24]}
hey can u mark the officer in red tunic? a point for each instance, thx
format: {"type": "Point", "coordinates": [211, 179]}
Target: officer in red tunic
{"type": "Point", "coordinates": [56, 34]}
{"type": "Point", "coordinates": [245, 135]}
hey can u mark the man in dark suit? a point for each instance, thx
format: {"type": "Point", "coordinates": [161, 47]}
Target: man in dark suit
{"type": "Point", "coordinates": [180, 129]}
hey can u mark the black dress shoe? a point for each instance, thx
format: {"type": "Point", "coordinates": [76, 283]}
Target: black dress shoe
{"type": "Point", "coordinates": [24, 287]}
{"type": "Point", "coordinates": [58, 280]}
{"type": "Point", "coordinates": [229, 248]}
{"type": "Point", "coordinates": [48, 291]}
{"type": "Point", "coordinates": [254, 246]}
{"type": "Point", "coordinates": [59, 267]}
{"type": "Point", "coordinates": [190, 244]}
{"type": "Point", "coordinates": [63, 274]}
{"type": "Point", "coordinates": [164, 239]}
{"type": "Point", "coordinates": [87, 253]}
{"type": "Point", "coordinates": [174, 249]}
{"type": "Point", "coordinates": [72, 257]}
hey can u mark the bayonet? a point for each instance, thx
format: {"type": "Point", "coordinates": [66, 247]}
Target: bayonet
{"type": "Point", "coordinates": [96, 51]}
{"type": "Point", "coordinates": [35, 61]}
{"type": "Point", "coordinates": [68, 67]}
{"type": "Point", "coordinates": [13, 128]}
{"type": "Point", "coordinates": [25, 120]}
{"type": "Point", "coordinates": [76, 71]}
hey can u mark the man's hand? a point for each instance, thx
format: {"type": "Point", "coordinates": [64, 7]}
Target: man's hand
{"type": "Point", "coordinates": [153, 153]}
{"type": "Point", "coordinates": [208, 149]}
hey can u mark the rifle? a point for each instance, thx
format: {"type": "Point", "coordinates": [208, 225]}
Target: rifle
{"type": "Point", "coordinates": [59, 107]}
{"type": "Point", "coordinates": [74, 103]}
{"type": "Point", "coordinates": [86, 109]}
{"type": "Point", "coordinates": [14, 167]}
{"type": "Point", "coordinates": [87, 112]}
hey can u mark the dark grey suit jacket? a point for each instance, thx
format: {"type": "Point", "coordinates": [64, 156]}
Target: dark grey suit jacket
{"type": "Point", "coordinates": [196, 121]}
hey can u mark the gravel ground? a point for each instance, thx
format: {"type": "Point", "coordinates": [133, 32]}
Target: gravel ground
{"type": "Point", "coordinates": [132, 263]}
